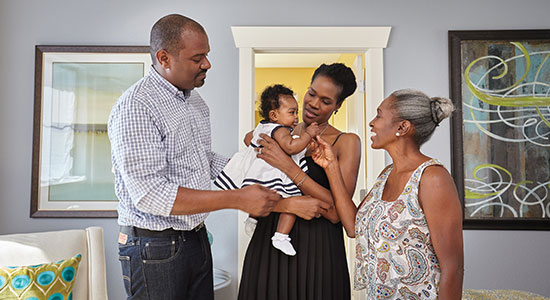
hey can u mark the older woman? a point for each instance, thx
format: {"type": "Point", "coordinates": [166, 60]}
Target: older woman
{"type": "Point", "coordinates": [409, 227]}
{"type": "Point", "coordinates": [319, 270]}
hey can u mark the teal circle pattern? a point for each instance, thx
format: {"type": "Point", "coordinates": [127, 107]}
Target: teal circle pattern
{"type": "Point", "coordinates": [2, 281]}
{"type": "Point", "coordinates": [20, 282]}
{"type": "Point", "coordinates": [45, 278]}
{"type": "Point", "coordinates": [68, 274]}
{"type": "Point", "coordinates": [56, 296]}
{"type": "Point", "coordinates": [210, 237]}
{"type": "Point", "coordinates": [32, 298]}
{"type": "Point", "coordinates": [70, 296]}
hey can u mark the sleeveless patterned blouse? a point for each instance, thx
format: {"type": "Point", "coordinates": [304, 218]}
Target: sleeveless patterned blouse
{"type": "Point", "coordinates": [395, 257]}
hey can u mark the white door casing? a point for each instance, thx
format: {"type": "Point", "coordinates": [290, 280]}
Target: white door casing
{"type": "Point", "coordinates": [368, 40]}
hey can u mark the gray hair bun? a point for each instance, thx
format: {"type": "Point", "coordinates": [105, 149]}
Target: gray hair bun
{"type": "Point", "coordinates": [423, 112]}
{"type": "Point", "coordinates": [441, 108]}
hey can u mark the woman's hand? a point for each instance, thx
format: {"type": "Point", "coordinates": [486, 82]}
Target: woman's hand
{"type": "Point", "coordinates": [274, 155]}
{"type": "Point", "coordinates": [305, 207]}
{"type": "Point", "coordinates": [322, 153]}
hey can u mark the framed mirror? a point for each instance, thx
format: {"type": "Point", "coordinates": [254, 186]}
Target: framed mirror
{"type": "Point", "coordinates": [75, 89]}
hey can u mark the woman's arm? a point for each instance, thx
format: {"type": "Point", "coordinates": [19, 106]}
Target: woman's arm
{"type": "Point", "coordinates": [346, 209]}
{"type": "Point", "coordinates": [248, 138]}
{"type": "Point", "coordinates": [439, 200]}
{"type": "Point", "coordinates": [350, 152]}
{"type": "Point", "coordinates": [276, 157]}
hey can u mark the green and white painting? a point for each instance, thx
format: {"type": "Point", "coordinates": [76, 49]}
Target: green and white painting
{"type": "Point", "coordinates": [506, 128]}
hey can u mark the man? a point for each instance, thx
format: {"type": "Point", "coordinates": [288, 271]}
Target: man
{"type": "Point", "coordinates": [161, 153]}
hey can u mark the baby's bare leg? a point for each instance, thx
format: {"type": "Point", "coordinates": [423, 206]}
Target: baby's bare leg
{"type": "Point", "coordinates": [280, 239]}
{"type": "Point", "coordinates": [286, 222]}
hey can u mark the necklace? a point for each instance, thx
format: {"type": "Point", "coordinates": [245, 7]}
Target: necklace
{"type": "Point", "coordinates": [320, 134]}
{"type": "Point", "coordinates": [323, 131]}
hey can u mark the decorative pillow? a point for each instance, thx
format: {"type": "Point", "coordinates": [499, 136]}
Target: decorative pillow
{"type": "Point", "coordinates": [500, 295]}
{"type": "Point", "coordinates": [49, 281]}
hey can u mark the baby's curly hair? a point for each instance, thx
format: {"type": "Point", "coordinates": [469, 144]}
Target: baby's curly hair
{"type": "Point", "coordinates": [270, 99]}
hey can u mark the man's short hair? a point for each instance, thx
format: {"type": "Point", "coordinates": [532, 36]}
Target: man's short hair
{"type": "Point", "coordinates": [166, 33]}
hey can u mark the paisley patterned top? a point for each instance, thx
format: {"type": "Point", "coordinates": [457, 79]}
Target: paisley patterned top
{"type": "Point", "coordinates": [395, 257]}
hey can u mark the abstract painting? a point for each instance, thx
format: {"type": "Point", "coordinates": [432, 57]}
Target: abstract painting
{"type": "Point", "coordinates": [500, 84]}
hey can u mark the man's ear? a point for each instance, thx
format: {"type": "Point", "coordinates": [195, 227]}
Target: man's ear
{"type": "Point", "coordinates": [163, 58]}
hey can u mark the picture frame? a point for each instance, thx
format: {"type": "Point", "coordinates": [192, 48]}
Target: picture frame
{"type": "Point", "coordinates": [500, 145]}
{"type": "Point", "coordinates": [75, 89]}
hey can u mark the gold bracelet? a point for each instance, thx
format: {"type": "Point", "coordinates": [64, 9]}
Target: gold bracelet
{"type": "Point", "coordinates": [302, 181]}
{"type": "Point", "coordinates": [296, 175]}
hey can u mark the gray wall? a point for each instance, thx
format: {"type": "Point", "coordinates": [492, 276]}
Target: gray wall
{"type": "Point", "coordinates": [416, 57]}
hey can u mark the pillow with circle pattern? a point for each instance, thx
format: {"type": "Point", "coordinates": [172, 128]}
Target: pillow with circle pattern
{"type": "Point", "coordinates": [49, 281]}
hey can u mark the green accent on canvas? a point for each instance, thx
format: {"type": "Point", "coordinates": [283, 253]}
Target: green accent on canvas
{"type": "Point", "coordinates": [476, 195]}
{"type": "Point", "coordinates": [42, 282]}
{"type": "Point", "coordinates": [523, 101]}
{"type": "Point", "coordinates": [536, 76]}
{"type": "Point", "coordinates": [520, 183]}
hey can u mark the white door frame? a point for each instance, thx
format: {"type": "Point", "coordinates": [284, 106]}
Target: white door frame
{"type": "Point", "coordinates": [368, 40]}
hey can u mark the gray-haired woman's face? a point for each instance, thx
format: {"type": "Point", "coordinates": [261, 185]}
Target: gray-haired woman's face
{"type": "Point", "coordinates": [384, 125]}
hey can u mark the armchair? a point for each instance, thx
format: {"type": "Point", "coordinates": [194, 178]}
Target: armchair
{"type": "Point", "coordinates": [43, 247]}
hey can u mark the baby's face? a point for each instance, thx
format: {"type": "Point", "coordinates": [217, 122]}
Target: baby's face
{"type": "Point", "coordinates": [287, 113]}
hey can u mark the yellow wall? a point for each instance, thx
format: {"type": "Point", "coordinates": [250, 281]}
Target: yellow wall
{"type": "Point", "coordinates": [297, 79]}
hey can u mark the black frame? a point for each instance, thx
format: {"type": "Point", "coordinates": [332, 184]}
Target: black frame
{"type": "Point", "coordinates": [457, 154]}
{"type": "Point", "coordinates": [40, 50]}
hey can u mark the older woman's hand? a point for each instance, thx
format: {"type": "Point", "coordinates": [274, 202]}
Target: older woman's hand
{"type": "Point", "coordinates": [273, 154]}
{"type": "Point", "coordinates": [322, 154]}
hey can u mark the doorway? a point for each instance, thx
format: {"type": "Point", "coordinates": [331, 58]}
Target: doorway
{"type": "Point", "coordinates": [365, 43]}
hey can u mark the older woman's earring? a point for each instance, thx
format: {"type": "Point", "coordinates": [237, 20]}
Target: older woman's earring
{"type": "Point", "coordinates": [335, 111]}
{"type": "Point", "coordinates": [397, 134]}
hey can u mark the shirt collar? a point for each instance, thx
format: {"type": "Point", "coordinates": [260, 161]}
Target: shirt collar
{"type": "Point", "coordinates": [166, 85]}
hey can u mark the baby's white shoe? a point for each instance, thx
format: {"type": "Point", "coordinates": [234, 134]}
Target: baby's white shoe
{"type": "Point", "coordinates": [281, 241]}
{"type": "Point", "coordinates": [250, 225]}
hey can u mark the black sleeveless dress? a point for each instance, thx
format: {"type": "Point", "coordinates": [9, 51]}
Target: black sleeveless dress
{"type": "Point", "coordinates": [318, 271]}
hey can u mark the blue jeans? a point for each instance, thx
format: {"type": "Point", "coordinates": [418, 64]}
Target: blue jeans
{"type": "Point", "coordinates": [171, 267]}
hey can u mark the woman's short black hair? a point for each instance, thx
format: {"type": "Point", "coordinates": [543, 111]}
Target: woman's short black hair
{"type": "Point", "coordinates": [270, 99]}
{"type": "Point", "coordinates": [341, 75]}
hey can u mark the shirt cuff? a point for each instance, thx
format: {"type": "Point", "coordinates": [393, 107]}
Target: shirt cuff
{"type": "Point", "coordinates": [217, 164]}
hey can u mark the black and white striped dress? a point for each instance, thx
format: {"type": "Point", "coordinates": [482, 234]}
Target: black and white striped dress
{"type": "Point", "coordinates": [245, 168]}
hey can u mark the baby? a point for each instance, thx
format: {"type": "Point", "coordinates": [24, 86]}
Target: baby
{"type": "Point", "coordinates": [279, 110]}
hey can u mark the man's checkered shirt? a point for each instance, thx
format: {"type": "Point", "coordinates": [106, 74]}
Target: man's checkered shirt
{"type": "Point", "coordinates": [160, 139]}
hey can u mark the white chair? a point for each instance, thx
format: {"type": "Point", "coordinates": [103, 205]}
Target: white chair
{"type": "Point", "coordinates": [44, 247]}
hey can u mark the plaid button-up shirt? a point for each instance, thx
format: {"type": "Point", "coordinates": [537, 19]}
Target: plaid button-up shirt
{"type": "Point", "coordinates": [160, 139]}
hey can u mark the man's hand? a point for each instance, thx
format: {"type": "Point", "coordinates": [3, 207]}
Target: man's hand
{"type": "Point", "coordinates": [257, 200]}
{"type": "Point", "coordinates": [307, 207]}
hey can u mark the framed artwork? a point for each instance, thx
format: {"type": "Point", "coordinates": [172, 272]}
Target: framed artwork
{"type": "Point", "coordinates": [500, 84]}
{"type": "Point", "coordinates": [75, 89]}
